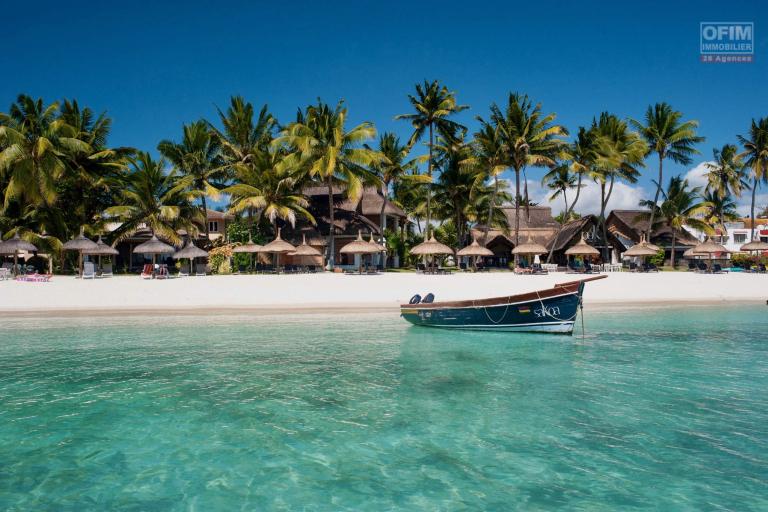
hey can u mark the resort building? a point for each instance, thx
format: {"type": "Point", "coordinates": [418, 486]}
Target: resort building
{"type": "Point", "coordinates": [217, 223]}
{"type": "Point", "coordinates": [537, 224]}
{"type": "Point", "coordinates": [629, 226]}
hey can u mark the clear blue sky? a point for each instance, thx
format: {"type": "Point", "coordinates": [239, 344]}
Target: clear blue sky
{"type": "Point", "coordinates": [156, 65]}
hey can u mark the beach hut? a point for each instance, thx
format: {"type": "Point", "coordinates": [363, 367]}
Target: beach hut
{"type": "Point", "coordinates": [430, 248]}
{"type": "Point", "coordinates": [474, 250]}
{"type": "Point", "coordinates": [14, 246]}
{"type": "Point", "coordinates": [154, 247]}
{"type": "Point", "coordinates": [101, 249]}
{"type": "Point", "coordinates": [277, 247]}
{"type": "Point", "coordinates": [248, 248]}
{"type": "Point", "coordinates": [360, 247]}
{"type": "Point", "coordinates": [80, 244]}
{"type": "Point", "coordinates": [709, 247]}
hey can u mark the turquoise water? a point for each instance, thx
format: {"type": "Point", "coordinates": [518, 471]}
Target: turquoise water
{"type": "Point", "coordinates": [663, 409]}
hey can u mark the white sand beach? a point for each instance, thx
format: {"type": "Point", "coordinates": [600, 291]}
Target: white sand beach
{"type": "Point", "coordinates": [338, 293]}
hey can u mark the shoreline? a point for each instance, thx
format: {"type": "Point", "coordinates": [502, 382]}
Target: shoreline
{"type": "Point", "coordinates": [329, 294]}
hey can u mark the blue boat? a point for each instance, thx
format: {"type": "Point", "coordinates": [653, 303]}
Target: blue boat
{"type": "Point", "coordinates": [551, 310]}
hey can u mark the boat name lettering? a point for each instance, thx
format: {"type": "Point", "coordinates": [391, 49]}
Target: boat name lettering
{"type": "Point", "coordinates": [543, 311]}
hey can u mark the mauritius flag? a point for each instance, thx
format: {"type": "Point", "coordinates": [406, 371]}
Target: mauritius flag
{"type": "Point", "coordinates": [524, 309]}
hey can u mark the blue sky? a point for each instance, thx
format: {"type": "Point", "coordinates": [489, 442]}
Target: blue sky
{"type": "Point", "coordinates": [154, 67]}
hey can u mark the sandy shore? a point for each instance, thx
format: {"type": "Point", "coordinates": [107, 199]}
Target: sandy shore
{"type": "Point", "coordinates": [338, 293]}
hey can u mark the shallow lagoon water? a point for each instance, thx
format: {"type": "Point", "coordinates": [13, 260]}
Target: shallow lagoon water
{"type": "Point", "coordinates": [663, 408]}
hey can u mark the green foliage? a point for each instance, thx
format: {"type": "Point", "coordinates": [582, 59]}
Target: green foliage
{"type": "Point", "coordinates": [657, 259]}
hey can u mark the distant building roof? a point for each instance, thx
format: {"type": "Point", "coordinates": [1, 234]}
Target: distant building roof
{"type": "Point", "coordinates": [217, 215]}
{"type": "Point", "coordinates": [532, 217]}
{"type": "Point", "coordinates": [630, 224]}
{"type": "Point", "coordinates": [369, 202]}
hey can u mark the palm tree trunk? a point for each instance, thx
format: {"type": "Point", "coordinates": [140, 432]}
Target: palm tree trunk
{"type": "Point", "coordinates": [429, 184]}
{"type": "Point", "coordinates": [602, 216]}
{"type": "Point", "coordinates": [655, 198]}
{"type": "Point", "coordinates": [382, 217]}
{"type": "Point", "coordinates": [672, 259]}
{"type": "Point", "coordinates": [207, 224]}
{"type": "Point", "coordinates": [517, 213]}
{"type": "Point", "coordinates": [559, 229]}
{"type": "Point", "coordinates": [603, 202]}
{"type": "Point", "coordinates": [752, 212]}
{"type": "Point", "coordinates": [332, 217]}
{"type": "Point", "coordinates": [491, 206]}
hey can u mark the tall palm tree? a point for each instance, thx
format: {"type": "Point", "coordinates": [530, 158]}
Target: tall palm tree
{"type": "Point", "coordinates": [681, 206]}
{"type": "Point", "coordinates": [334, 155]}
{"type": "Point", "coordinates": [755, 157]}
{"type": "Point", "coordinates": [530, 138]}
{"type": "Point", "coordinates": [669, 137]}
{"type": "Point", "coordinates": [487, 162]}
{"type": "Point", "coordinates": [156, 199]}
{"type": "Point", "coordinates": [243, 132]}
{"type": "Point", "coordinates": [393, 167]}
{"type": "Point", "coordinates": [433, 105]}
{"type": "Point", "coordinates": [620, 152]}
{"type": "Point", "coordinates": [271, 187]}
{"type": "Point", "coordinates": [725, 174]}
{"type": "Point", "coordinates": [35, 145]}
{"type": "Point", "coordinates": [560, 180]}
{"type": "Point", "coordinates": [719, 210]}
{"type": "Point", "coordinates": [198, 158]}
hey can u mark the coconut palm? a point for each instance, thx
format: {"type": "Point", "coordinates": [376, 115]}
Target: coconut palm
{"type": "Point", "coordinates": [669, 137]}
{"type": "Point", "coordinates": [156, 199]}
{"type": "Point", "coordinates": [719, 210]}
{"type": "Point", "coordinates": [198, 158]}
{"type": "Point", "coordinates": [487, 162]}
{"type": "Point", "coordinates": [725, 174]}
{"type": "Point", "coordinates": [755, 156]}
{"type": "Point", "coordinates": [681, 206]}
{"type": "Point", "coordinates": [560, 180]}
{"type": "Point", "coordinates": [334, 156]}
{"type": "Point", "coordinates": [433, 105]}
{"type": "Point", "coordinates": [270, 185]}
{"type": "Point", "coordinates": [530, 138]}
{"type": "Point", "coordinates": [242, 134]}
{"type": "Point", "coordinates": [619, 154]}
{"type": "Point", "coordinates": [35, 144]}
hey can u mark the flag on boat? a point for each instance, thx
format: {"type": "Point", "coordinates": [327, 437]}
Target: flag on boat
{"type": "Point", "coordinates": [524, 309]}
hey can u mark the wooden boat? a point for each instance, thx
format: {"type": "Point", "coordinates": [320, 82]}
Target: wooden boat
{"type": "Point", "coordinates": [552, 310]}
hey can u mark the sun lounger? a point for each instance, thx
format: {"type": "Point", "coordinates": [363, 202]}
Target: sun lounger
{"type": "Point", "coordinates": [34, 278]}
{"type": "Point", "coordinates": [147, 272]}
{"type": "Point", "coordinates": [106, 270]}
{"type": "Point", "coordinates": [4, 274]}
{"type": "Point", "coordinates": [718, 269]}
{"type": "Point", "coordinates": [200, 269]}
{"type": "Point", "coordinates": [162, 272]}
{"type": "Point", "coordinates": [184, 270]}
{"type": "Point", "coordinates": [89, 270]}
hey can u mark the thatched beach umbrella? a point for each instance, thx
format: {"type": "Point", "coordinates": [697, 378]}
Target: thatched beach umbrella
{"type": "Point", "coordinates": [709, 247]}
{"type": "Point", "coordinates": [379, 247]}
{"type": "Point", "coordinates": [80, 244]}
{"type": "Point", "coordinates": [190, 251]}
{"type": "Point", "coordinates": [690, 253]}
{"type": "Point", "coordinates": [359, 246]}
{"type": "Point", "coordinates": [154, 247]}
{"type": "Point", "coordinates": [431, 247]}
{"type": "Point", "coordinates": [474, 250]}
{"type": "Point", "coordinates": [641, 250]}
{"type": "Point", "coordinates": [248, 248]}
{"type": "Point", "coordinates": [755, 245]}
{"type": "Point", "coordinates": [13, 246]}
{"type": "Point", "coordinates": [305, 250]}
{"type": "Point", "coordinates": [529, 248]}
{"type": "Point", "coordinates": [102, 249]}
{"type": "Point", "coordinates": [582, 249]}
{"type": "Point", "coordinates": [277, 247]}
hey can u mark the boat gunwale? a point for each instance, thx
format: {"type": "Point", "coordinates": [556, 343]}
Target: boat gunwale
{"type": "Point", "coordinates": [558, 290]}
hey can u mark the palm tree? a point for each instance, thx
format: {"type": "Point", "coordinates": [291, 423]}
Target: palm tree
{"type": "Point", "coordinates": [681, 206]}
{"type": "Point", "coordinates": [433, 104]}
{"type": "Point", "coordinates": [270, 186]}
{"type": "Point", "coordinates": [35, 147]}
{"type": "Point", "coordinates": [334, 155]}
{"type": "Point", "coordinates": [725, 175]}
{"type": "Point", "coordinates": [394, 167]}
{"type": "Point", "coordinates": [198, 159]}
{"type": "Point", "coordinates": [719, 210]}
{"type": "Point", "coordinates": [560, 180]}
{"type": "Point", "coordinates": [619, 152]}
{"type": "Point", "coordinates": [529, 138]}
{"type": "Point", "coordinates": [669, 137]}
{"type": "Point", "coordinates": [242, 135]}
{"type": "Point", "coordinates": [487, 162]}
{"type": "Point", "coordinates": [755, 157]}
{"type": "Point", "coordinates": [156, 199]}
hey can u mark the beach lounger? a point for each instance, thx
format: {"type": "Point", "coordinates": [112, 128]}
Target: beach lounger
{"type": "Point", "coordinates": [89, 270]}
{"type": "Point", "coordinates": [106, 270]}
{"type": "Point", "coordinates": [761, 268]}
{"type": "Point", "coordinates": [718, 269]}
{"type": "Point", "coordinates": [147, 272]}
{"type": "Point", "coordinates": [34, 278]}
{"type": "Point", "coordinates": [200, 269]}
{"type": "Point", "coordinates": [184, 270]}
{"type": "Point", "coordinates": [162, 272]}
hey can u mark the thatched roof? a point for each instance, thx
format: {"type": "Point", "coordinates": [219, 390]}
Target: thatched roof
{"type": "Point", "coordinates": [379, 247]}
{"type": "Point", "coordinates": [16, 244]}
{"type": "Point", "coordinates": [474, 249]}
{"type": "Point", "coordinates": [709, 247]}
{"type": "Point", "coordinates": [80, 243]}
{"type": "Point", "coordinates": [431, 246]}
{"type": "Point", "coordinates": [278, 245]}
{"type": "Point", "coordinates": [305, 249]}
{"type": "Point", "coordinates": [368, 203]}
{"type": "Point", "coordinates": [582, 249]}
{"type": "Point", "coordinates": [754, 245]}
{"type": "Point", "coordinates": [190, 251]}
{"type": "Point", "coordinates": [154, 246]}
{"type": "Point", "coordinates": [102, 249]}
{"type": "Point", "coordinates": [359, 246]}
{"type": "Point", "coordinates": [529, 247]}
{"type": "Point", "coordinates": [248, 247]}
{"type": "Point", "coordinates": [631, 225]}
{"type": "Point", "coordinates": [641, 249]}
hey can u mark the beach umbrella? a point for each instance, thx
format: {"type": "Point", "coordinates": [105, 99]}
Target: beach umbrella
{"type": "Point", "coordinates": [248, 248]}
{"type": "Point", "coordinates": [474, 250]}
{"type": "Point", "coordinates": [13, 246]}
{"type": "Point", "coordinates": [754, 246]}
{"type": "Point", "coordinates": [80, 244]}
{"type": "Point", "coordinates": [431, 247]}
{"type": "Point", "coordinates": [709, 247]}
{"type": "Point", "coordinates": [102, 249]}
{"type": "Point", "coordinates": [529, 248]}
{"type": "Point", "coordinates": [582, 249]}
{"type": "Point", "coordinates": [690, 253]}
{"type": "Point", "coordinates": [359, 246]}
{"type": "Point", "coordinates": [305, 250]}
{"type": "Point", "coordinates": [379, 247]}
{"type": "Point", "coordinates": [190, 251]}
{"type": "Point", "coordinates": [641, 249]}
{"type": "Point", "coordinates": [154, 247]}
{"type": "Point", "coordinates": [277, 247]}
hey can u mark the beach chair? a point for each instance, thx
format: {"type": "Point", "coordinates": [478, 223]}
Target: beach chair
{"type": "Point", "coordinates": [162, 272]}
{"type": "Point", "coordinates": [311, 269]}
{"type": "Point", "coordinates": [761, 268]}
{"type": "Point", "coordinates": [589, 269]}
{"type": "Point", "coordinates": [184, 270]}
{"type": "Point", "coordinates": [691, 266]}
{"type": "Point", "coordinates": [538, 270]}
{"type": "Point", "coordinates": [89, 270]}
{"type": "Point", "coordinates": [718, 269]}
{"type": "Point", "coordinates": [106, 270]}
{"type": "Point", "coordinates": [4, 274]}
{"type": "Point", "coordinates": [420, 268]}
{"type": "Point", "coordinates": [147, 272]}
{"type": "Point", "coordinates": [200, 269]}
{"type": "Point", "coordinates": [702, 267]}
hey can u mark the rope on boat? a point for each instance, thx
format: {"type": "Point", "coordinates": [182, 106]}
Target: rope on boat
{"type": "Point", "coordinates": [485, 309]}
{"type": "Point", "coordinates": [546, 313]}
